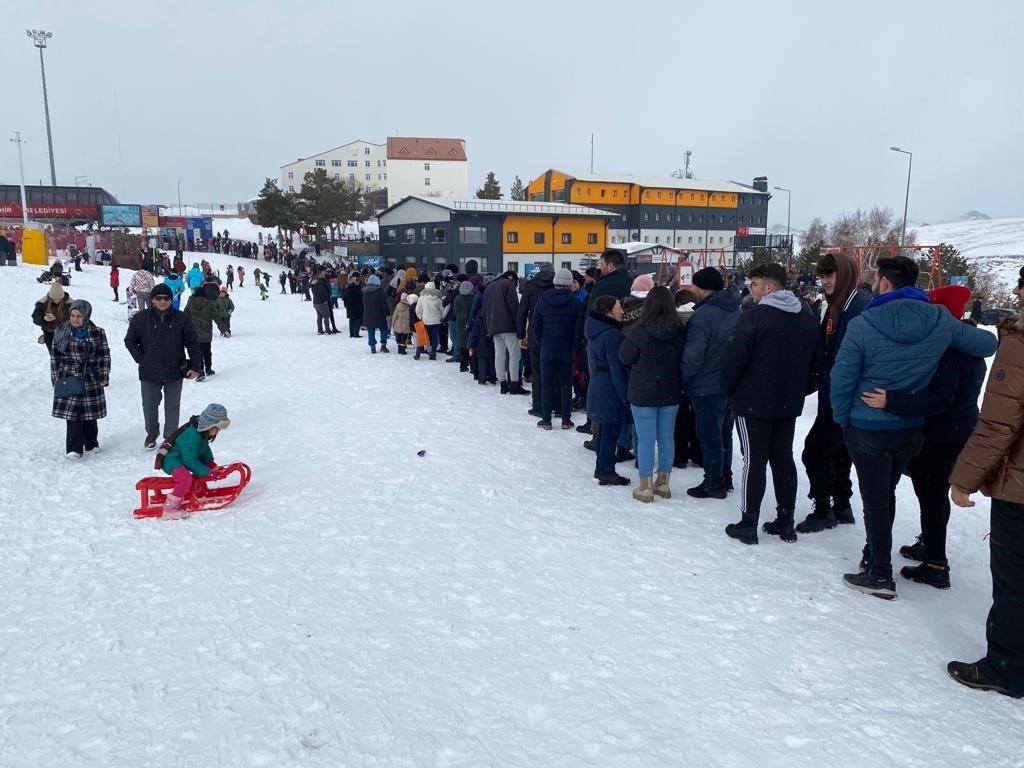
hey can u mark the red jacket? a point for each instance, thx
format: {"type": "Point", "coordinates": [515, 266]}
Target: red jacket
{"type": "Point", "coordinates": [115, 278]}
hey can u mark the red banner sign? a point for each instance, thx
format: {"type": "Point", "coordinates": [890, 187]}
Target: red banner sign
{"type": "Point", "coordinates": [172, 222]}
{"type": "Point", "coordinates": [13, 211]}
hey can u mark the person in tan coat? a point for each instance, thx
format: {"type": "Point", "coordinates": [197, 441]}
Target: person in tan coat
{"type": "Point", "coordinates": [993, 462]}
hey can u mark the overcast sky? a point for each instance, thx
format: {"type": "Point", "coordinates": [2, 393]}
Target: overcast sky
{"type": "Point", "coordinates": [219, 94]}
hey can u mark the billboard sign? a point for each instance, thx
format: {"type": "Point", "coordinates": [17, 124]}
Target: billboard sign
{"type": "Point", "coordinates": [958, 280]}
{"type": "Point", "coordinates": [172, 222]}
{"type": "Point", "coordinates": [13, 211]}
{"type": "Point", "coordinates": [121, 215]}
{"type": "Point", "coordinates": [151, 216]}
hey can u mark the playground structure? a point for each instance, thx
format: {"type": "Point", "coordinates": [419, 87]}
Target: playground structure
{"type": "Point", "coordinates": [679, 265]}
{"type": "Point", "coordinates": [866, 257]}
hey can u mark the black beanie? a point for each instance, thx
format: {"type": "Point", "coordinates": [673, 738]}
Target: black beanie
{"type": "Point", "coordinates": [161, 289]}
{"type": "Point", "coordinates": [709, 278]}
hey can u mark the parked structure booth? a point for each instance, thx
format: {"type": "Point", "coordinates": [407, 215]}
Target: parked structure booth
{"type": "Point", "coordinates": [430, 232]}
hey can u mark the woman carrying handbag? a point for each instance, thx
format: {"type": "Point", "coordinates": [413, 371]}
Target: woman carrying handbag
{"type": "Point", "coordinates": [79, 372]}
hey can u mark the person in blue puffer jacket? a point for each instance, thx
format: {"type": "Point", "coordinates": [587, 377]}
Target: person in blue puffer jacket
{"type": "Point", "coordinates": [608, 392]}
{"type": "Point", "coordinates": [895, 343]}
{"type": "Point", "coordinates": [554, 325]}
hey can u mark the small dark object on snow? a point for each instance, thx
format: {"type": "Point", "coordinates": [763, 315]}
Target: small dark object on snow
{"type": "Point", "coordinates": [421, 453]}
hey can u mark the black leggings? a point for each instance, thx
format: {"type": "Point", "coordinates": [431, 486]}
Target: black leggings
{"type": "Point", "coordinates": [81, 436]}
{"type": "Point", "coordinates": [764, 442]}
{"type": "Point", "coordinates": [929, 472]}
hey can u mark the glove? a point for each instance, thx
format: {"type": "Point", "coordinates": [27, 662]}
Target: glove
{"type": "Point", "coordinates": [216, 473]}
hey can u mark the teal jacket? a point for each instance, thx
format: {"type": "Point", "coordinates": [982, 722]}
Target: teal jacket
{"type": "Point", "coordinates": [190, 450]}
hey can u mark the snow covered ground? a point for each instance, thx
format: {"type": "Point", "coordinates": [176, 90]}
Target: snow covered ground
{"type": "Point", "coordinates": [486, 604]}
{"type": "Point", "coordinates": [995, 243]}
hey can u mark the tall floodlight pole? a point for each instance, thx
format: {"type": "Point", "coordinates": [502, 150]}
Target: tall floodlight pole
{"type": "Point", "coordinates": [39, 38]}
{"type": "Point", "coordinates": [906, 202]}
{"type": "Point", "coordinates": [789, 210]}
{"type": "Point", "coordinates": [21, 170]}
{"type": "Point", "coordinates": [179, 198]}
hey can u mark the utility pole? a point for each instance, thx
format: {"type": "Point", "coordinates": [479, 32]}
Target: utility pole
{"type": "Point", "coordinates": [21, 170]}
{"type": "Point", "coordinates": [39, 38]}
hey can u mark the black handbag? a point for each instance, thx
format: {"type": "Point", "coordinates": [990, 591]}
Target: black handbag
{"type": "Point", "coordinates": [69, 386]}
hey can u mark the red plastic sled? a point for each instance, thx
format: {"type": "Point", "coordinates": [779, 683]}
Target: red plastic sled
{"type": "Point", "coordinates": [201, 498]}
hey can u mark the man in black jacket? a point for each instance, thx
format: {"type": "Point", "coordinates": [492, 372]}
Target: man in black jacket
{"type": "Point", "coordinates": [767, 369]}
{"type": "Point", "coordinates": [158, 340]}
{"type": "Point", "coordinates": [320, 287]}
{"type": "Point", "coordinates": [536, 286]}
{"type": "Point", "coordinates": [615, 278]}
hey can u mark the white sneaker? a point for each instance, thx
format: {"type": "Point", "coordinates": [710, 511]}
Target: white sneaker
{"type": "Point", "coordinates": [93, 451]}
{"type": "Point", "coordinates": [72, 456]}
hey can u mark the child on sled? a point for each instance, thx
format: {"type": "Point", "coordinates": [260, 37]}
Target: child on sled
{"type": "Point", "coordinates": [186, 455]}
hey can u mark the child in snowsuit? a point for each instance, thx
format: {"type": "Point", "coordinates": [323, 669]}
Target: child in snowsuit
{"type": "Point", "coordinates": [401, 322]}
{"type": "Point", "coordinates": [187, 455]}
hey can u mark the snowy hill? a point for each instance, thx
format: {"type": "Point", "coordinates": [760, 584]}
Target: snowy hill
{"type": "Point", "coordinates": [994, 243]}
{"type": "Point", "coordinates": [486, 604]}
{"type": "Point", "coordinates": [973, 215]}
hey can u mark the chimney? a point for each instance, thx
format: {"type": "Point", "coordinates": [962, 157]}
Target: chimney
{"type": "Point", "coordinates": [761, 183]}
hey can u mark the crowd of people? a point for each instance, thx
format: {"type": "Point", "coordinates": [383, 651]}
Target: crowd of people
{"type": "Point", "coordinates": [666, 375]}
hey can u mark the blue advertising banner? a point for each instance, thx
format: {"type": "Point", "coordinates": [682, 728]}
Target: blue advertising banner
{"type": "Point", "coordinates": [199, 229]}
{"type": "Point", "coordinates": [371, 261]}
{"type": "Point", "coordinates": [121, 215]}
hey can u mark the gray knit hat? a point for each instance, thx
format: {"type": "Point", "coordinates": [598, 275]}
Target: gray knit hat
{"type": "Point", "coordinates": [563, 277]}
{"type": "Point", "coordinates": [214, 415]}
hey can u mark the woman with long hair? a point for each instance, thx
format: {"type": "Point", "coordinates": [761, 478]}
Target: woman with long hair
{"type": "Point", "coordinates": [652, 349]}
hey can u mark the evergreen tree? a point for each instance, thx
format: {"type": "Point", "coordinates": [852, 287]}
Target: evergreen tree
{"type": "Point", "coordinates": [491, 189]}
{"type": "Point", "coordinates": [270, 205]}
{"type": "Point", "coordinates": [518, 190]}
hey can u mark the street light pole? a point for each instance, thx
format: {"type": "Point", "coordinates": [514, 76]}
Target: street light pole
{"type": "Point", "coordinates": [179, 198]}
{"type": "Point", "coordinates": [906, 202]}
{"type": "Point", "coordinates": [21, 170]}
{"type": "Point", "coordinates": [39, 38]}
{"type": "Point", "coordinates": [789, 210]}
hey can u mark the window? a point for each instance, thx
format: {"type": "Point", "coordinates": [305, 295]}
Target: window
{"type": "Point", "coordinates": [353, 163]}
{"type": "Point", "coordinates": [423, 234]}
{"type": "Point", "coordinates": [700, 218]}
{"type": "Point", "coordinates": [291, 175]}
{"type": "Point", "coordinates": [512, 237]}
{"type": "Point", "coordinates": [378, 177]}
{"type": "Point", "coordinates": [566, 238]}
{"type": "Point", "coordinates": [730, 241]}
{"type": "Point", "coordinates": [426, 182]}
{"type": "Point", "coordinates": [602, 193]}
{"type": "Point", "coordinates": [291, 188]}
{"type": "Point", "coordinates": [392, 235]}
{"type": "Point", "coordinates": [711, 218]}
{"type": "Point", "coordinates": [367, 177]}
{"type": "Point", "coordinates": [538, 238]}
{"type": "Point", "coordinates": [351, 177]}
{"type": "Point", "coordinates": [336, 163]}
{"type": "Point", "coordinates": [513, 266]}
{"type": "Point", "coordinates": [732, 219]}
{"type": "Point", "coordinates": [321, 163]}
{"type": "Point", "coordinates": [366, 150]}
{"type": "Point", "coordinates": [689, 240]}
{"type": "Point", "coordinates": [657, 215]}
{"type": "Point", "coordinates": [657, 240]}
{"type": "Point", "coordinates": [647, 216]}
{"type": "Point", "coordinates": [440, 235]}
{"type": "Point", "coordinates": [367, 163]}
{"type": "Point", "coordinates": [426, 166]}
{"type": "Point", "coordinates": [691, 218]}
{"type": "Point", "coordinates": [567, 265]}
{"type": "Point", "coordinates": [720, 240]}
{"type": "Point", "coordinates": [409, 235]}
{"type": "Point", "coordinates": [473, 235]}
{"type": "Point", "coordinates": [592, 238]}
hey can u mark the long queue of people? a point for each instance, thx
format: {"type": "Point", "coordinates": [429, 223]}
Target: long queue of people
{"type": "Point", "coordinates": [668, 378]}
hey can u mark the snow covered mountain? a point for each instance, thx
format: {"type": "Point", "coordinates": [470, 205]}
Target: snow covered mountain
{"type": "Point", "coordinates": [997, 244]}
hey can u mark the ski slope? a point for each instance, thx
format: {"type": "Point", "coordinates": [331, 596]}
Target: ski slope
{"type": "Point", "coordinates": [997, 244]}
{"type": "Point", "coordinates": [486, 604]}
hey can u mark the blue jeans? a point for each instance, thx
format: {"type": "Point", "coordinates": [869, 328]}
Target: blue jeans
{"type": "Point", "coordinates": [371, 336]}
{"type": "Point", "coordinates": [432, 332]}
{"type": "Point", "coordinates": [453, 337]}
{"type": "Point", "coordinates": [655, 424]}
{"type": "Point", "coordinates": [714, 430]}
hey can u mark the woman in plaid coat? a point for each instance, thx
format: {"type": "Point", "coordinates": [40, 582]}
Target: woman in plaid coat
{"type": "Point", "coordinates": [80, 349]}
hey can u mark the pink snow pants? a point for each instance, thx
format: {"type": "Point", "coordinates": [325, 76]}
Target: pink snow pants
{"type": "Point", "coordinates": [182, 481]}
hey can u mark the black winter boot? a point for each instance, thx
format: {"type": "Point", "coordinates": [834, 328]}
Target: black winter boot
{"type": "Point", "coordinates": [821, 519]}
{"type": "Point", "coordinates": [745, 530]}
{"type": "Point", "coordinates": [843, 513]}
{"type": "Point", "coordinates": [504, 386]}
{"type": "Point", "coordinates": [933, 574]}
{"type": "Point", "coordinates": [516, 388]}
{"type": "Point", "coordinates": [781, 526]}
{"type": "Point", "coordinates": [915, 551]}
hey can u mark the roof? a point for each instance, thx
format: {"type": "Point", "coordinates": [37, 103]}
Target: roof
{"type": "Point", "coordinates": [521, 207]}
{"type": "Point", "coordinates": [669, 182]}
{"type": "Point", "coordinates": [412, 148]}
{"type": "Point", "coordinates": [333, 149]}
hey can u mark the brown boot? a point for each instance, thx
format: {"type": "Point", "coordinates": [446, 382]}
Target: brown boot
{"type": "Point", "coordinates": [661, 487]}
{"type": "Point", "coordinates": [645, 492]}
